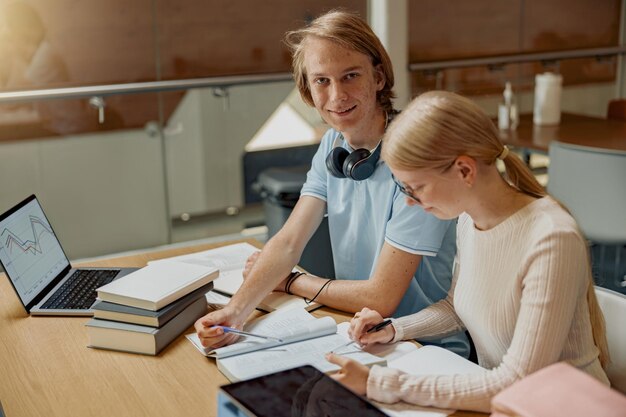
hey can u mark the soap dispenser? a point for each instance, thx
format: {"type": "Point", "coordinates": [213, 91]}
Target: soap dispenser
{"type": "Point", "coordinates": [508, 117]}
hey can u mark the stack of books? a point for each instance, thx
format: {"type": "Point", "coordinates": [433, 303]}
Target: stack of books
{"type": "Point", "coordinates": [144, 311]}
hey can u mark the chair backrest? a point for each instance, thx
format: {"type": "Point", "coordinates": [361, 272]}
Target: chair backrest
{"type": "Point", "coordinates": [591, 184]}
{"type": "Point", "coordinates": [616, 109]}
{"type": "Point", "coordinates": [613, 306]}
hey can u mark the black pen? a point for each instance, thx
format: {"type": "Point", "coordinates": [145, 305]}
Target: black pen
{"type": "Point", "coordinates": [372, 329]}
{"type": "Point", "coordinates": [379, 326]}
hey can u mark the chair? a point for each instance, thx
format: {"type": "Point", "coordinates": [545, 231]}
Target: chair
{"type": "Point", "coordinates": [590, 182]}
{"type": "Point", "coordinates": [613, 306]}
{"type": "Point", "coordinates": [616, 109]}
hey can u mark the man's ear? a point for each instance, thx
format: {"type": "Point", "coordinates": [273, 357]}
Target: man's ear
{"type": "Point", "coordinates": [466, 169]}
{"type": "Point", "coordinates": [379, 75]}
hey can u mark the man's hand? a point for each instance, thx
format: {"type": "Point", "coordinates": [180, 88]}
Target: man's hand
{"type": "Point", "coordinates": [214, 337]}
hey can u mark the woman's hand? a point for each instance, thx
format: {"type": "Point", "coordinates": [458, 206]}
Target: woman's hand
{"type": "Point", "coordinates": [352, 374]}
{"type": "Point", "coordinates": [365, 320]}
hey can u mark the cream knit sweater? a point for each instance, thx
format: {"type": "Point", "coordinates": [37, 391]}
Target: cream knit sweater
{"type": "Point", "coordinates": [520, 289]}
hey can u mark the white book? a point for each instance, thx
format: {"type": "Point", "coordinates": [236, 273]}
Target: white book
{"type": "Point", "coordinates": [157, 285]}
{"type": "Point", "coordinates": [305, 341]}
{"type": "Point", "coordinates": [230, 260]}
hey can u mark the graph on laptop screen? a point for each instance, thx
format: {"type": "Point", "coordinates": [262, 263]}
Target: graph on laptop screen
{"type": "Point", "coordinates": [29, 250]}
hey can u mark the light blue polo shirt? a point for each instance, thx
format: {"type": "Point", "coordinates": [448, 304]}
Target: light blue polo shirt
{"type": "Point", "coordinates": [362, 215]}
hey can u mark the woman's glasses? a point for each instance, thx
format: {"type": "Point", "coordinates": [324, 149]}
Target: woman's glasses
{"type": "Point", "coordinates": [404, 190]}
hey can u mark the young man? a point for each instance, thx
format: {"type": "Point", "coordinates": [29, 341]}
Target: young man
{"type": "Point", "coordinates": [388, 256]}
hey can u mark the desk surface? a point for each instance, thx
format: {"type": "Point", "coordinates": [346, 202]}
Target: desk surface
{"type": "Point", "coordinates": [574, 128]}
{"type": "Point", "coordinates": [48, 370]}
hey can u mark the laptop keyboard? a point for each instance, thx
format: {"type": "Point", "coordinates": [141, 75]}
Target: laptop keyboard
{"type": "Point", "coordinates": [79, 291]}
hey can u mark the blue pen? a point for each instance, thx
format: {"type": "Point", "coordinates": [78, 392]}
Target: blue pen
{"type": "Point", "coordinates": [241, 332]}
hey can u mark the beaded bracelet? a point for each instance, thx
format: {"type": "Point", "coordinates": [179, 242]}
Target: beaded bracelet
{"type": "Point", "coordinates": [290, 279]}
{"type": "Point", "coordinates": [327, 283]}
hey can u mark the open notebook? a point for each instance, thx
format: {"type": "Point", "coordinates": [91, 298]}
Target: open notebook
{"type": "Point", "coordinates": [230, 260]}
{"type": "Point", "coordinates": [305, 341]}
{"type": "Point", "coordinates": [427, 360]}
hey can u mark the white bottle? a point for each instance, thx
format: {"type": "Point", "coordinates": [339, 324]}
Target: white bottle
{"type": "Point", "coordinates": [508, 117]}
{"type": "Point", "coordinates": [547, 109]}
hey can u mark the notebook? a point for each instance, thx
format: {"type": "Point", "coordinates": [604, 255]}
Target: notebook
{"type": "Point", "coordinates": [38, 269]}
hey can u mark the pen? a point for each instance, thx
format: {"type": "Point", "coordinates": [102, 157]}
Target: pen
{"type": "Point", "coordinates": [372, 329]}
{"type": "Point", "coordinates": [379, 326]}
{"type": "Point", "coordinates": [241, 332]}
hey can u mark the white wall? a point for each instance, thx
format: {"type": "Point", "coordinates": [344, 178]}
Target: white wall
{"type": "Point", "coordinates": [206, 137]}
{"type": "Point", "coordinates": [102, 193]}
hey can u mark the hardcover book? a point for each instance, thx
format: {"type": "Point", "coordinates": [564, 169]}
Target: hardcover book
{"type": "Point", "coordinates": [113, 335]}
{"type": "Point", "coordinates": [157, 285]}
{"type": "Point", "coordinates": [117, 312]}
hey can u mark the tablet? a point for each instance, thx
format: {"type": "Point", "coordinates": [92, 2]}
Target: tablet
{"type": "Point", "coordinates": [302, 391]}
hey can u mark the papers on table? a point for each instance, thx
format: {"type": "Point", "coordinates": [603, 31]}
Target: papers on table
{"type": "Point", "coordinates": [230, 260]}
{"type": "Point", "coordinates": [306, 342]}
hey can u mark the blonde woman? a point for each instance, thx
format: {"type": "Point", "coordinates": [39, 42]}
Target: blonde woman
{"type": "Point", "coordinates": [522, 282]}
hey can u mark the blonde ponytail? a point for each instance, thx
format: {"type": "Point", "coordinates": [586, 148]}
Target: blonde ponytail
{"type": "Point", "coordinates": [521, 177]}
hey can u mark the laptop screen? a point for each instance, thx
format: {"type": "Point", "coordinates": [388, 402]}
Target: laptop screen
{"type": "Point", "coordinates": [30, 253]}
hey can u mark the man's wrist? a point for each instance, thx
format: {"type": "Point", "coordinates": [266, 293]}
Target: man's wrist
{"type": "Point", "coordinates": [290, 280]}
{"type": "Point", "coordinates": [237, 311]}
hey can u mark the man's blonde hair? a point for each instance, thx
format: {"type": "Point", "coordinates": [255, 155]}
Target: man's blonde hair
{"type": "Point", "coordinates": [350, 31]}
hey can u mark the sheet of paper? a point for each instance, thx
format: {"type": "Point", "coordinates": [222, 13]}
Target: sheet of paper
{"type": "Point", "coordinates": [229, 281]}
{"type": "Point", "coordinates": [289, 331]}
{"type": "Point", "coordinates": [311, 352]}
{"type": "Point", "coordinates": [286, 324]}
{"type": "Point", "coordinates": [433, 360]}
{"type": "Point", "coordinates": [230, 260]}
{"type": "Point", "coordinates": [389, 352]}
{"type": "Point", "coordinates": [410, 410]}
{"type": "Point", "coordinates": [216, 299]}
{"type": "Point", "coordinates": [225, 258]}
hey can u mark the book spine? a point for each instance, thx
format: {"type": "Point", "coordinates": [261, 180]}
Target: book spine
{"type": "Point", "coordinates": [180, 323]}
{"type": "Point", "coordinates": [125, 337]}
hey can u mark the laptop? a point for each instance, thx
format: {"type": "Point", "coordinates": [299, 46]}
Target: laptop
{"type": "Point", "coordinates": [36, 265]}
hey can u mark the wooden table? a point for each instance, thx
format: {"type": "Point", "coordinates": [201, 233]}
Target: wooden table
{"type": "Point", "coordinates": [574, 128]}
{"type": "Point", "coordinates": [47, 370]}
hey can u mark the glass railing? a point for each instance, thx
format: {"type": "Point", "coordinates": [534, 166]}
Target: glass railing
{"type": "Point", "coordinates": [119, 180]}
